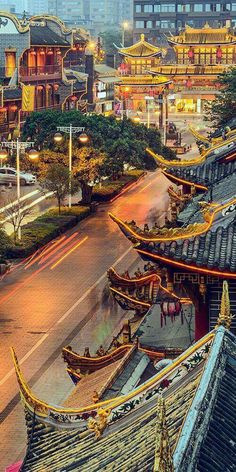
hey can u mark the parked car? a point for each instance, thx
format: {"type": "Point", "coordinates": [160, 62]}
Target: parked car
{"type": "Point", "coordinates": [8, 175]}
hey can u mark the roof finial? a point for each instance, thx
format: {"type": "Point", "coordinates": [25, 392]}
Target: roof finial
{"type": "Point", "coordinates": [225, 317]}
{"type": "Point", "coordinates": [142, 37]}
{"type": "Point", "coordinates": [163, 457]}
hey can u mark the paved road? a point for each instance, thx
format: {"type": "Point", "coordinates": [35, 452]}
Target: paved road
{"type": "Point", "coordinates": [63, 300]}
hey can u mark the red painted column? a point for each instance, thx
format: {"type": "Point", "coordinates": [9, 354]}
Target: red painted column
{"type": "Point", "coordinates": [201, 318]}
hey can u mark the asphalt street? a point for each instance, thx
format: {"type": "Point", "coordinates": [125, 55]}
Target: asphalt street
{"type": "Point", "coordinates": [62, 298]}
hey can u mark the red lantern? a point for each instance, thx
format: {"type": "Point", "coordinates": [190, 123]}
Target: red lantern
{"type": "Point", "coordinates": [50, 52]}
{"type": "Point", "coordinates": [56, 87]}
{"type": "Point", "coordinates": [3, 109]}
{"type": "Point", "coordinates": [74, 98]}
{"type": "Point", "coordinates": [171, 309]}
{"type": "Point", "coordinates": [13, 108]}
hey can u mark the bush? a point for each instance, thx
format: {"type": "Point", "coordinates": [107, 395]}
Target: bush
{"type": "Point", "coordinates": [111, 188]}
{"type": "Point", "coordinates": [5, 242]}
{"type": "Point", "coordinates": [45, 228]}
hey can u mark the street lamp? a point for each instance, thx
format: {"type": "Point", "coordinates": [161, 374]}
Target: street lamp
{"type": "Point", "coordinates": [19, 146]}
{"type": "Point", "coordinates": [125, 26]}
{"type": "Point", "coordinates": [136, 119]}
{"type": "Point", "coordinates": [3, 155]}
{"type": "Point", "coordinates": [148, 99]}
{"type": "Point", "coordinates": [58, 138]}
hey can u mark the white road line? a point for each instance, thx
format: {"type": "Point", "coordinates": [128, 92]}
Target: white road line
{"type": "Point", "coordinates": [22, 199]}
{"type": "Point", "coordinates": [68, 312]}
{"type": "Point", "coordinates": [31, 205]}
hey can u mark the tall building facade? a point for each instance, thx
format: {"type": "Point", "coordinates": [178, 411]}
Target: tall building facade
{"type": "Point", "coordinates": [154, 17]}
{"type": "Point", "coordinates": [14, 6]}
{"type": "Point", "coordinates": [69, 11]}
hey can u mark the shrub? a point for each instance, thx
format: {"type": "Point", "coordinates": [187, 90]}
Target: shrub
{"type": "Point", "coordinates": [45, 228]}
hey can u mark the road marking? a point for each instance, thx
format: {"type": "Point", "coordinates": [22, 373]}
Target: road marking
{"type": "Point", "coordinates": [58, 248]}
{"type": "Point", "coordinates": [31, 205]}
{"type": "Point", "coordinates": [68, 312]}
{"type": "Point", "coordinates": [44, 252]}
{"type": "Point", "coordinates": [22, 199]}
{"type": "Point", "coordinates": [68, 253]}
{"type": "Point", "coordinates": [150, 183]}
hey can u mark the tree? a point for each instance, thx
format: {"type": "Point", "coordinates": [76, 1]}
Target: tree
{"type": "Point", "coordinates": [57, 180]}
{"type": "Point", "coordinates": [223, 108]}
{"type": "Point", "coordinates": [114, 37]}
{"type": "Point", "coordinates": [15, 213]}
{"type": "Point", "coordinates": [87, 168]}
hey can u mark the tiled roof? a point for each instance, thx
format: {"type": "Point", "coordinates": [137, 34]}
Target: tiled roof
{"type": "Point", "coordinates": [214, 249]}
{"type": "Point", "coordinates": [43, 35]}
{"type": "Point", "coordinates": [130, 448]}
{"type": "Point", "coordinates": [83, 393]}
{"type": "Point", "coordinates": [12, 94]}
{"type": "Point", "coordinates": [209, 172]}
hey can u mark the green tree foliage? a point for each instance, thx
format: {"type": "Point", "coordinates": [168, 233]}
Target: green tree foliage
{"type": "Point", "coordinates": [104, 134]}
{"type": "Point", "coordinates": [114, 37]}
{"type": "Point", "coordinates": [223, 108]}
{"type": "Point", "coordinates": [56, 180]}
{"type": "Point", "coordinates": [87, 164]}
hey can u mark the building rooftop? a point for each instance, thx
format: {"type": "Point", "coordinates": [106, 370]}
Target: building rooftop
{"type": "Point", "coordinates": [206, 35]}
{"type": "Point", "coordinates": [141, 49]}
{"type": "Point", "coordinates": [43, 35]}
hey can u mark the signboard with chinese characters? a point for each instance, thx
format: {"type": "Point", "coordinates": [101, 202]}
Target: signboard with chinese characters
{"type": "Point", "coordinates": [7, 26]}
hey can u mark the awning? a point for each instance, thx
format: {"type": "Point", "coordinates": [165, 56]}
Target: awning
{"type": "Point", "coordinates": [109, 80]}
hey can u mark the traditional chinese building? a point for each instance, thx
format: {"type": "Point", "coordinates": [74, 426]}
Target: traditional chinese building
{"type": "Point", "coordinates": [154, 425]}
{"type": "Point", "coordinates": [36, 60]}
{"type": "Point", "coordinates": [201, 55]}
{"type": "Point", "coordinates": [136, 82]}
{"type": "Point", "coordinates": [196, 250]}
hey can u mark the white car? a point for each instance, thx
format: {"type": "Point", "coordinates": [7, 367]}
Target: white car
{"type": "Point", "coordinates": [8, 175]}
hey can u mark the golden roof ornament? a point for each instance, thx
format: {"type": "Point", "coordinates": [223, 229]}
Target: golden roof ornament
{"type": "Point", "coordinates": [142, 37]}
{"type": "Point", "coordinates": [163, 456]}
{"type": "Point", "coordinates": [225, 317]}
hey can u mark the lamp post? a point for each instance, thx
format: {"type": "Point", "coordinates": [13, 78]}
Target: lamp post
{"type": "Point", "coordinates": [125, 26]}
{"type": "Point", "coordinates": [148, 98]}
{"type": "Point", "coordinates": [58, 138]}
{"type": "Point", "coordinates": [20, 146]}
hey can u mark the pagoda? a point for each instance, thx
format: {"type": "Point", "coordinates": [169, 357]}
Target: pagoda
{"type": "Point", "coordinates": [135, 80]}
{"type": "Point", "coordinates": [201, 55]}
{"type": "Point", "coordinates": [154, 425]}
{"type": "Point", "coordinates": [196, 248]}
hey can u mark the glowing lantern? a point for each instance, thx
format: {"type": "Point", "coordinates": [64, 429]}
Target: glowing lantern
{"type": "Point", "coordinates": [56, 87]}
{"type": "Point", "coordinates": [74, 98]}
{"type": "Point", "coordinates": [33, 154]}
{"type": "Point", "coordinates": [50, 52]}
{"type": "Point", "coordinates": [13, 108]}
{"type": "Point", "coordinates": [171, 309]}
{"type": "Point", "coordinates": [3, 109]}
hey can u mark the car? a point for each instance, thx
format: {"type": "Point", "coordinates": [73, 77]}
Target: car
{"type": "Point", "coordinates": [8, 175]}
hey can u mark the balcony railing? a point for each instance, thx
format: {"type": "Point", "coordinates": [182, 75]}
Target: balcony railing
{"type": "Point", "coordinates": [34, 73]}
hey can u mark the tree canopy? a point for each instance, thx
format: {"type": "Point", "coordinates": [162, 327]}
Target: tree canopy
{"type": "Point", "coordinates": [223, 109]}
{"type": "Point", "coordinates": [122, 141]}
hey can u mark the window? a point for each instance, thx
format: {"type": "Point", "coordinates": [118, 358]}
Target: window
{"type": "Point", "coordinates": [138, 8]}
{"type": "Point", "coordinates": [197, 7]}
{"type": "Point", "coordinates": [148, 8]}
{"type": "Point", "coordinates": [157, 8]}
{"type": "Point", "coordinates": [2, 171]}
{"type": "Point", "coordinates": [149, 24]}
{"type": "Point", "coordinates": [168, 8]}
{"type": "Point", "coordinates": [11, 172]}
{"type": "Point", "coordinates": [139, 24]}
{"type": "Point", "coordinates": [179, 8]}
{"type": "Point", "coordinates": [207, 7]}
{"type": "Point", "coordinates": [233, 6]}
{"type": "Point", "coordinates": [218, 7]}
